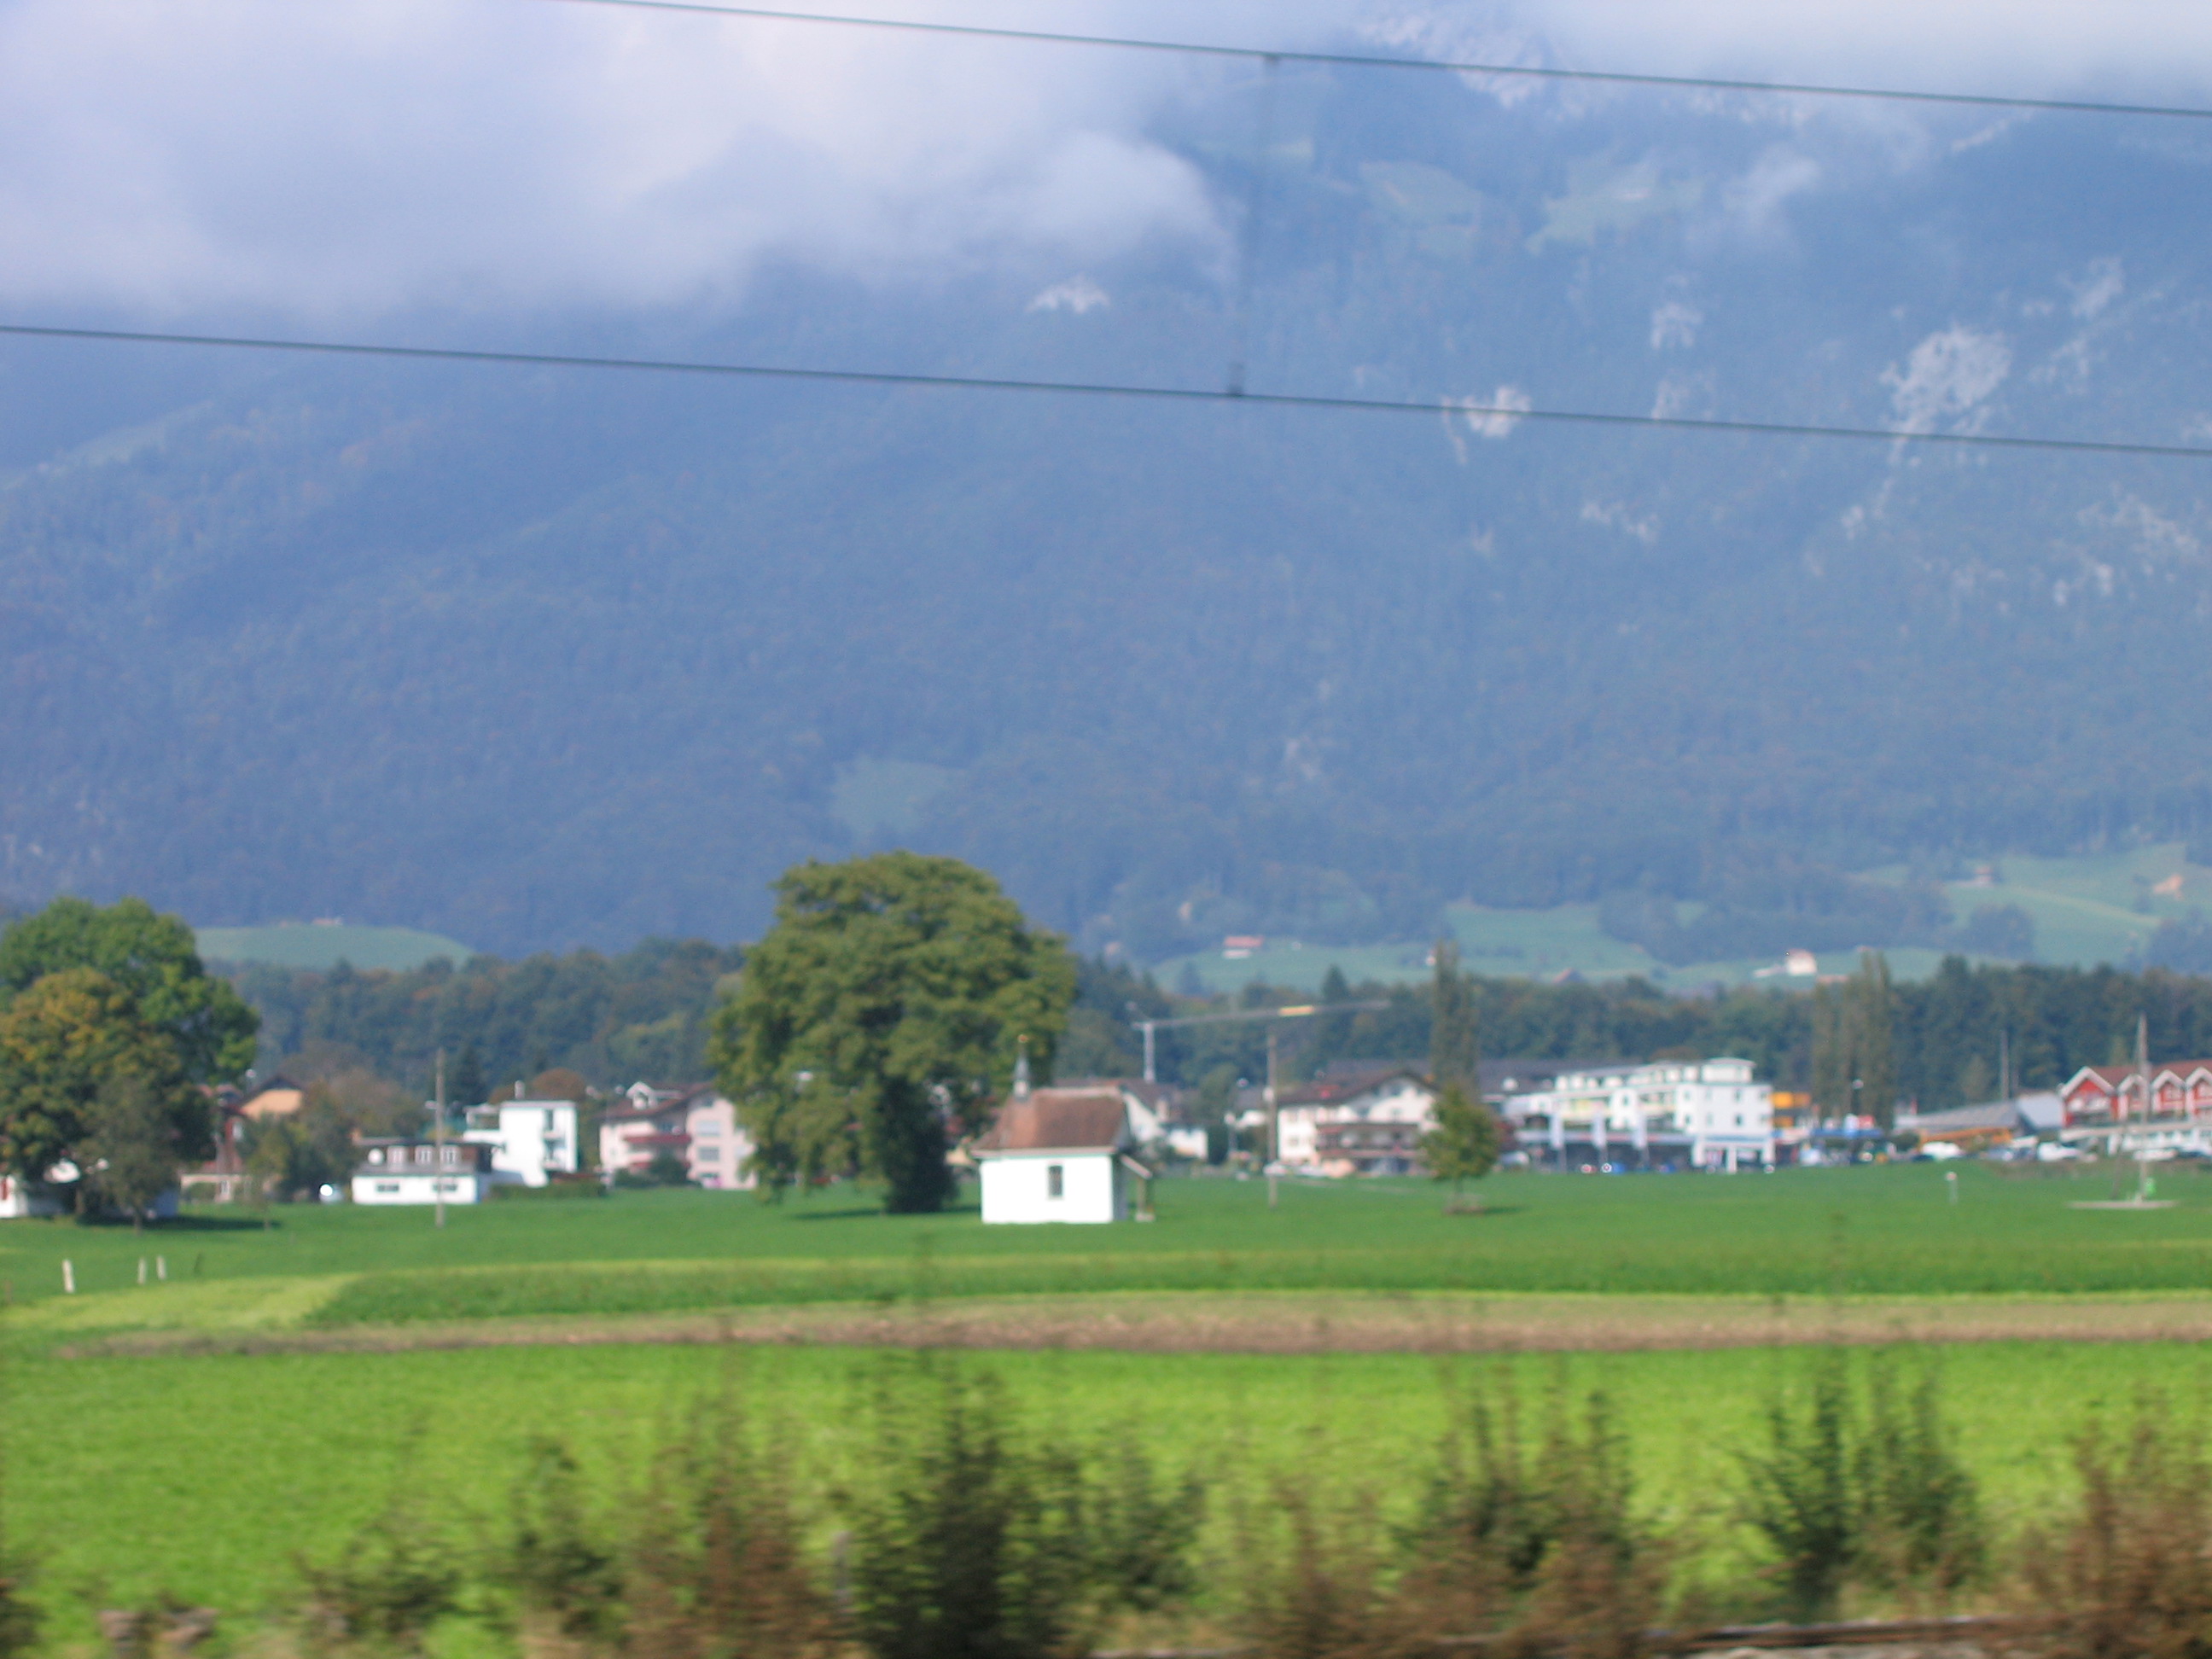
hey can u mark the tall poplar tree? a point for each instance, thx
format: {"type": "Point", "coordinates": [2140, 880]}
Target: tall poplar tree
{"type": "Point", "coordinates": [1854, 1057]}
{"type": "Point", "coordinates": [1454, 1046]}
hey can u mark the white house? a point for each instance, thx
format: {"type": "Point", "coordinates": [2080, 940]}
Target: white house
{"type": "Point", "coordinates": [699, 1125]}
{"type": "Point", "coordinates": [1706, 1115]}
{"type": "Point", "coordinates": [20, 1197]}
{"type": "Point", "coordinates": [1350, 1122]}
{"type": "Point", "coordinates": [530, 1140]}
{"type": "Point", "coordinates": [1062, 1155]}
{"type": "Point", "coordinates": [423, 1172]}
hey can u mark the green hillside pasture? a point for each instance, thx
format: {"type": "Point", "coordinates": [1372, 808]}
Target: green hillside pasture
{"type": "Point", "coordinates": [2089, 909]}
{"type": "Point", "coordinates": [324, 945]}
{"type": "Point", "coordinates": [1872, 1230]}
{"type": "Point", "coordinates": [206, 1477]}
{"type": "Point", "coordinates": [1545, 944]}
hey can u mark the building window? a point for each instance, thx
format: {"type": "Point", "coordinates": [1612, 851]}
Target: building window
{"type": "Point", "coordinates": [1055, 1185]}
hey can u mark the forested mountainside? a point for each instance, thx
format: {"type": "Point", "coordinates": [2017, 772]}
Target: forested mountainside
{"type": "Point", "coordinates": [543, 658]}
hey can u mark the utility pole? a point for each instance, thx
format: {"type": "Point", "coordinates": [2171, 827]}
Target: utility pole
{"type": "Point", "coordinates": [438, 1145]}
{"type": "Point", "coordinates": [1274, 1150]}
{"type": "Point", "coordinates": [2004, 1064]}
{"type": "Point", "coordinates": [2142, 1081]}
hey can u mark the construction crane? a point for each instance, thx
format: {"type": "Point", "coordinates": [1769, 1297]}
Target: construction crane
{"type": "Point", "coordinates": [1304, 1010]}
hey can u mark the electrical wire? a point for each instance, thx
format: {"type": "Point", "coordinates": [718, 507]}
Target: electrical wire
{"type": "Point", "coordinates": [1446, 407]}
{"type": "Point", "coordinates": [1359, 60]}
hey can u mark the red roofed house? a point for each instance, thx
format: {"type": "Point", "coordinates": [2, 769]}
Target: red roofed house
{"type": "Point", "coordinates": [2112, 1094]}
{"type": "Point", "coordinates": [1356, 1121]}
{"type": "Point", "coordinates": [698, 1125]}
{"type": "Point", "coordinates": [1062, 1155]}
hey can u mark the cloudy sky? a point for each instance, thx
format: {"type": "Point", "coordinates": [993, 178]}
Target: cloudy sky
{"type": "Point", "coordinates": [322, 159]}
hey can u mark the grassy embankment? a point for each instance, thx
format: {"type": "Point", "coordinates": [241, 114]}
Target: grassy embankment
{"type": "Point", "coordinates": [205, 1474]}
{"type": "Point", "coordinates": [1852, 1233]}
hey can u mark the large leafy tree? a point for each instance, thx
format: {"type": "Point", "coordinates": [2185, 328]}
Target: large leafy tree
{"type": "Point", "coordinates": [880, 1016]}
{"type": "Point", "coordinates": [154, 961]}
{"type": "Point", "coordinates": [77, 1059]}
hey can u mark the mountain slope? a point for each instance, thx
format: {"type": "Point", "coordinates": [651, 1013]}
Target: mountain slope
{"type": "Point", "coordinates": [547, 657]}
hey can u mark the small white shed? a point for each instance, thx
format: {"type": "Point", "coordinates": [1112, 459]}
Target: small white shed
{"type": "Point", "coordinates": [1062, 1155]}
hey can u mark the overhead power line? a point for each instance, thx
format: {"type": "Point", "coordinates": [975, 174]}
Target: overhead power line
{"type": "Point", "coordinates": [1446, 406]}
{"type": "Point", "coordinates": [1361, 60]}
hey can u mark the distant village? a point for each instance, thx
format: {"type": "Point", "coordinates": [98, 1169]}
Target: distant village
{"type": "Point", "coordinates": [1087, 1149]}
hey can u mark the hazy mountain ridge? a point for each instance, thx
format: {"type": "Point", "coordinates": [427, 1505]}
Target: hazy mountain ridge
{"type": "Point", "coordinates": [537, 658]}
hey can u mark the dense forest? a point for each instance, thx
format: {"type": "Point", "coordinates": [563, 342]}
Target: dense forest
{"type": "Point", "coordinates": [610, 1020]}
{"type": "Point", "coordinates": [643, 1014]}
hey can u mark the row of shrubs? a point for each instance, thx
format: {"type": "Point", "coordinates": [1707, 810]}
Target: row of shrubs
{"type": "Point", "coordinates": [972, 1536]}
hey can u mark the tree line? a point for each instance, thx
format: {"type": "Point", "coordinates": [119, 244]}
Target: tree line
{"type": "Point", "coordinates": [610, 1020]}
{"type": "Point", "coordinates": [1934, 1043]}
{"type": "Point", "coordinates": [649, 1012]}
{"type": "Point", "coordinates": [878, 1022]}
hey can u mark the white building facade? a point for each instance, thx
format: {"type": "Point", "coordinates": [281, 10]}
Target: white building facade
{"type": "Point", "coordinates": [1062, 1155]}
{"type": "Point", "coordinates": [1701, 1114]}
{"type": "Point", "coordinates": [530, 1140]}
{"type": "Point", "coordinates": [1360, 1123]}
{"type": "Point", "coordinates": [698, 1125]}
{"type": "Point", "coordinates": [423, 1172]}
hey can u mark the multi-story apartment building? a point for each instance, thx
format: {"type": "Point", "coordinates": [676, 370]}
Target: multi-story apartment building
{"type": "Point", "coordinates": [1703, 1115]}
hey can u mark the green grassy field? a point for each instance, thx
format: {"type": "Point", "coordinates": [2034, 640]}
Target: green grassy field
{"type": "Point", "coordinates": [207, 1477]}
{"type": "Point", "coordinates": [1869, 1230]}
{"type": "Point", "coordinates": [325, 945]}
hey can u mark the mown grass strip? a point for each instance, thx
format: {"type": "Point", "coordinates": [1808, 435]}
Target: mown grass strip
{"type": "Point", "coordinates": [631, 1288]}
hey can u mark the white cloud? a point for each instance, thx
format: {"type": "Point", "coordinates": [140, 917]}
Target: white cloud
{"type": "Point", "coordinates": [341, 156]}
{"type": "Point", "coordinates": [1771, 180]}
{"type": "Point", "coordinates": [1078, 294]}
{"type": "Point", "coordinates": [2103, 285]}
{"type": "Point", "coordinates": [1675, 323]}
{"type": "Point", "coordinates": [353, 155]}
{"type": "Point", "coordinates": [2028, 47]}
{"type": "Point", "coordinates": [1615, 515]}
{"type": "Point", "coordinates": [1496, 416]}
{"type": "Point", "coordinates": [1947, 374]}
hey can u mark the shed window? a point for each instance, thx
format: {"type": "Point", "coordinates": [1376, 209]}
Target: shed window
{"type": "Point", "coordinates": [1055, 1183]}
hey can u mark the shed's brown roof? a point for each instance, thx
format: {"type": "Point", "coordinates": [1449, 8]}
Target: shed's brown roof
{"type": "Point", "coordinates": [1059, 1120]}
